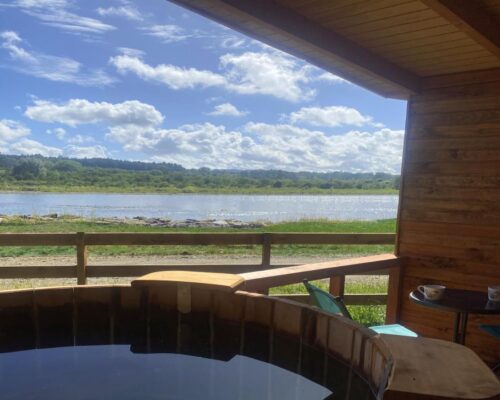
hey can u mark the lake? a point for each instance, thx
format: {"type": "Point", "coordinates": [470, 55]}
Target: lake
{"type": "Point", "coordinates": [272, 208]}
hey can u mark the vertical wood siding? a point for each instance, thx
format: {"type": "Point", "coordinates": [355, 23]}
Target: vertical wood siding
{"type": "Point", "coordinates": [449, 226]}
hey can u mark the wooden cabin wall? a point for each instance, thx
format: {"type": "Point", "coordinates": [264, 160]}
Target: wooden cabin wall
{"type": "Point", "coordinates": [449, 218]}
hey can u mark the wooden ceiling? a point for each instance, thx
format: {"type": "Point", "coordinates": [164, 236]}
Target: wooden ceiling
{"type": "Point", "coordinates": [388, 46]}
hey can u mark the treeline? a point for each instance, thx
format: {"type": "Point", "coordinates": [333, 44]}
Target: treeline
{"type": "Point", "coordinates": [45, 173]}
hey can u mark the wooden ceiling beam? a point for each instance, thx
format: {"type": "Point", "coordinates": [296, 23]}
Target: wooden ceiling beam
{"type": "Point", "coordinates": [472, 19]}
{"type": "Point", "coordinates": [237, 14]}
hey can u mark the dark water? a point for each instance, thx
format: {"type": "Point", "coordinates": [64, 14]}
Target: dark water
{"type": "Point", "coordinates": [179, 207]}
{"type": "Point", "coordinates": [114, 372]}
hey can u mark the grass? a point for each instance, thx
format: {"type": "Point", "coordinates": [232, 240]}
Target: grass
{"type": "Point", "coordinates": [40, 187]}
{"type": "Point", "coordinates": [21, 225]}
{"type": "Point", "coordinates": [367, 315]}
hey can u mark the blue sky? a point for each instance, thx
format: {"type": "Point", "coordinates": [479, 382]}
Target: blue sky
{"type": "Point", "coordinates": [151, 81]}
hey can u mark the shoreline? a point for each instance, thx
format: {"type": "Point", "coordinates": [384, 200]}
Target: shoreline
{"type": "Point", "coordinates": [154, 222]}
{"type": "Point", "coordinates": [337, 192]}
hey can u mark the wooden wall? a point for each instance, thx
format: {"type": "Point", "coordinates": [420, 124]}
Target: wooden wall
{"type": "Point", "coordinates": [449, 226]}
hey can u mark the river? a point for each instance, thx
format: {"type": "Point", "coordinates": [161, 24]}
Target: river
{"type": "Point", "coordinates": [272, 208]}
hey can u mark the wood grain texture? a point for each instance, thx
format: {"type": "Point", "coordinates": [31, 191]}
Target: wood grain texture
{"type": "Point", "coordinates": [447, 371]}
{"type": "Point", "coordinates": [450, 215]}
{"type": "Point", "coordinates": [224, 282]}
{"type": "Point", "coordinates": [258, 280]}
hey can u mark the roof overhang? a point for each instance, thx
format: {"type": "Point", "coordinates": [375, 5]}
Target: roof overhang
{"type": "Point", "coordinates": [281, 24]}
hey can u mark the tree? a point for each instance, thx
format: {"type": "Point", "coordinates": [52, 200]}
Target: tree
{"type": "Point", "coordinates": [67, 166]}
{"type": "Point", "coordinates": [28, 169]}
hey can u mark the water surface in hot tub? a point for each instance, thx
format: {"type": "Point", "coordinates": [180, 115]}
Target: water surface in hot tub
{"type": "Point", "coordinates": [115, 372]}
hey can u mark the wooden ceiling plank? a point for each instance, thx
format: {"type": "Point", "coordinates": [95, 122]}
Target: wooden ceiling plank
{"type": "Point", "coordinates": [426, 42]}
{"type": "Point", "coordinates": [334, 10]}
{"type": "Point", "coordinates": [399, 20]}
{"type": "Point", "coordinates": [456, 53]}
{"type": "Point", "coordinates": [426, 71]}
{"type": "Point", "coordinates": [396, 30]}
{"type": "Point", "coordinates": [466, 78]}
{"type": "Point", "coordinates": [451, 70]}
{"type": "Point", "coordinates": [371, 11]}
{"type": "Point", "coordinates": [471, 18]}
{"type": "Point", "coordinates": [426, 51]}
{"type": "Point", "coordinates": [432, 35]}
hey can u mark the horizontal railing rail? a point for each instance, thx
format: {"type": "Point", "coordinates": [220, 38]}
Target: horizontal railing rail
{"type": "Point", "coordinates": [198, 239]}
{"type": "Point", "coordinates": [266, 274]}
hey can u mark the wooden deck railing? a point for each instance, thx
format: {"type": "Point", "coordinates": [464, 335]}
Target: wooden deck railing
{"type": "Point", "coordinates": [262, 276]}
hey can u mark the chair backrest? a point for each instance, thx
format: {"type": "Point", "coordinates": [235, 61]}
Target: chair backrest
{"type": "Point", "coordinates": [325, 301]}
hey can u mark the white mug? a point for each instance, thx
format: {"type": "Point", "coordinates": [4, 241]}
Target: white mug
{"type": "Point", "coordinates": [494, 293]}
{"type": "Point", "coordinates": [432, 292]}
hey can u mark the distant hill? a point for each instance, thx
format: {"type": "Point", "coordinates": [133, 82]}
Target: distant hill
{"type": "Point", "coordinates": [102, 174]}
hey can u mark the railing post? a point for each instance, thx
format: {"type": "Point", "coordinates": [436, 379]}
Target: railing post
{"type": "Point", "coordinates": [394, 294]}
{"type": "Point", "coordinates": [266, 250]}
{"type": "Point", "coordinates": [81, 259]}
{"type": "Point", "coordinates": [337, 285]}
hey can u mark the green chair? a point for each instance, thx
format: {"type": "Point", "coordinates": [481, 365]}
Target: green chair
{"type": "Point", "coordinates": [493, 330]}
{"type": "Point", "coordinates": [334, 305]}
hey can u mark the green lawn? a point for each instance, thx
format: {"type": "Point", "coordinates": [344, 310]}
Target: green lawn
{"type": "Point", "coordinates": [70, 225]}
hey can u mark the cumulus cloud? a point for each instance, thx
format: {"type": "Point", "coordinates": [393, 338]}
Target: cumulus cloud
{"type": "Point", "coordinates": [126, 11]}
{"type": "Point", "coordinates": [267, 73]}
{"type": "Point", "coordinates": [227, 109]}
{"type": "Point", "coordinates": [170, 75]}
{"type": "Point", "coordinates": [80, 139]}
{"type": "Point", "coordinates": [167, 33]}
{"type": "Point", "coordinates": [97, 151]}
{"type": "Point", "coordinates": [31, 147]}
{"type": "Point", "coordinates": [354, 151]}
{"type": "Point", "coordinates": [60, 14]}
{"type": "Point", "coordinates": [260, 145]}
{"type": "Point", "coordinates": [54, 68]}
{"type": "Point", "coordinates": [12, 130]}
{"type": "Point", "coordinates": [80, 111]}
{"type": "Point", "coordinates": [332, 116]}
{"type": "Point", "coordinates": [60, 133]}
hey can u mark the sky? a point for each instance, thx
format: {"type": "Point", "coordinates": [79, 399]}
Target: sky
{"type": "Point", "coordinates": [151, 81]}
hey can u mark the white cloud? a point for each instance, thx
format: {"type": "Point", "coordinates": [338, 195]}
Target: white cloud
{"type": "Point", "coordinates": [227, 109]}
{"type": "Point", "coordinates": [170, 75]}
{"type": "Point", "coordinates": [130, 51]}
{"type": "Point", "coordinates": [12, 130]}
{"type": "Point", "coordinates": [80, 111]}
{"type": "Point", "coordinates": [29, 147]}
{"type": "Point", "coordinates": [54, 68]}
{"type": "Point", "coordinates": [97, 151]}
{"type": "Point", "coordinates": [167, 33]}
{"type": "Point", "coordinates": [59, 14]}
{"type": "Point", "coordinates": [126, 11]}
{"type": "Point", "coordinates": [60, 133]}
{"type": "Point", "coordinates": [329, 77]}
{"type": "Point", "coordinates": [268, 73]}
{"type": "Point", "coordinates": [332, 116]}
{"type": "Point", "coordinates": [353, 151]}
{"type": "Point", "coordinates": [233, 42]}
{"type": "Point", "coordinates": [259, 146]}
{"type": "Point", "coordinates": [80, 139]}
